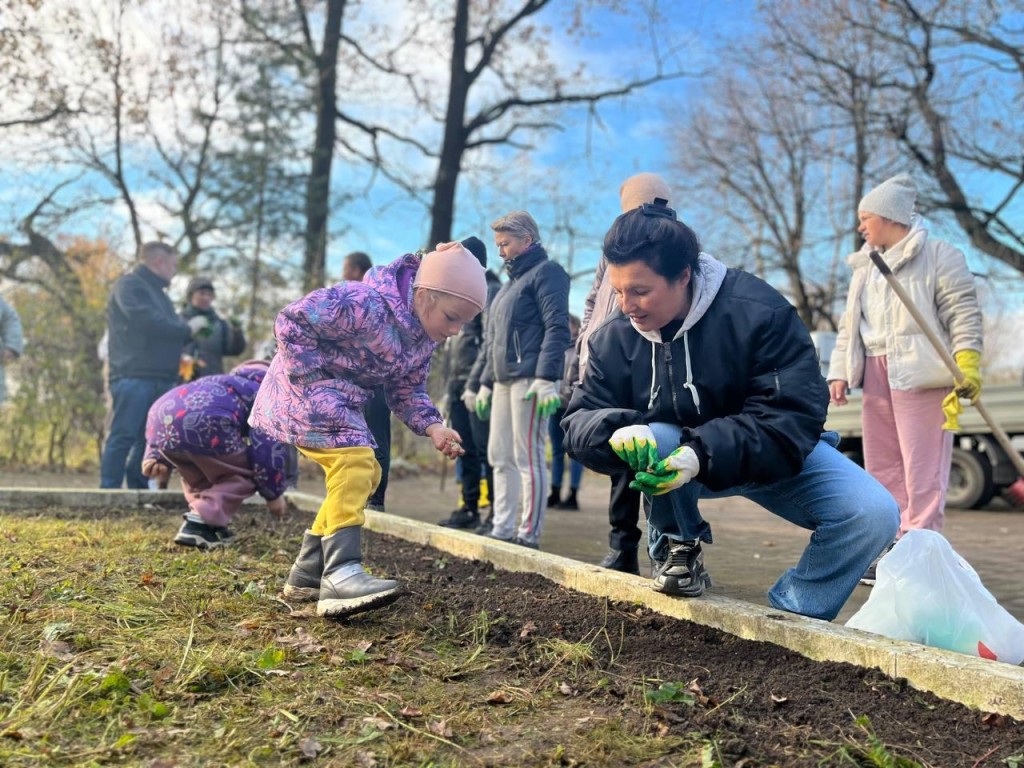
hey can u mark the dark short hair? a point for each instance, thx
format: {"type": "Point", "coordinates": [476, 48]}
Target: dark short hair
{"type": "Point", "coordinates": [360, 261]}
{"type": "Point", "coordinates": [664, 243]}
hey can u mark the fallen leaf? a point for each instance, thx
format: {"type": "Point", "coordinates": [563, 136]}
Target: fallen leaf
{"type": "Point", "coordinates": [310, 747]}
{"type": "Point", "coordinates": [410, 712]}
{"type": "Point", "coordinates": [994, 719]}
{"type": "Point", "coordinates": [440, 728]}
{"type": "Point", "coordinates": [301, 641]}
{"type": "Point", "coordinates": [57, 648]}
{"type": "Point", "coordinates": [365, 759]}
{"type": "Point", "coordinates": [527, 629]}
{"type": "Point", "coordinates": [377, 722]}
{"type": "Point", "coordinates": [566, 690]}
{"type": "Point", "coordinates": [498, 697]}
{"type": "Point", "coordinates": [779, 699]}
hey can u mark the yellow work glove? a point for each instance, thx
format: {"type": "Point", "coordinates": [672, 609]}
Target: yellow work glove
{"type": "Point", "coordinates": [952, 408]}
{"type": "Point", "coordinates": [969, 362]}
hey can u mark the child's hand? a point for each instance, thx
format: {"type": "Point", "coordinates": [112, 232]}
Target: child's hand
{"type": "Point", "coordinates": [153, 468]}
{"type": "Point", "coordinates": [446, 440]}
{"type": "Point", "coordinates": [277, 507]}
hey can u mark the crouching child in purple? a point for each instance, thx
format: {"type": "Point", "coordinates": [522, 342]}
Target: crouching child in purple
{"type": "Point", "coordinates": [333, 347]}
{"type": "Point", "coordinates": [201, 429]}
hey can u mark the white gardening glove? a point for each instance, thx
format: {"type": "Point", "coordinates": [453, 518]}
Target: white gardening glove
{"type": "Point", "coordinates": [636, 446]}
{"type": "Point", "coordinates": [546, 395]}
{"type": "Point", "coordinates": [198, 324]}
{"type": "Point", "coordinates": [469, 400]}
{"type": "Point", "coordinates": [483, 403]}
{"type": "Point", "coordinates": [675, 470]}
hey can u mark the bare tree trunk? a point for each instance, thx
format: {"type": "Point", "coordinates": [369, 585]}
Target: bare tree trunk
{"type": "Point", "coordinates": [319, 189]}
{"type": "Point", "coordinates": [454, 146]}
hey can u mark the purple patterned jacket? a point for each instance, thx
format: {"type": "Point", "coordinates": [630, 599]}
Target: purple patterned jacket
{"type": "Point", "coordinates": [207, 417]}
{"type": "Point", "coordinates": [333, 347]}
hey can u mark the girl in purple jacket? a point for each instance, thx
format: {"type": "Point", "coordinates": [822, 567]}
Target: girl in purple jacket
{"type": "Point", "coordinates": [201, 429]}
{"type": "Point", "coordinates": [333, 347]}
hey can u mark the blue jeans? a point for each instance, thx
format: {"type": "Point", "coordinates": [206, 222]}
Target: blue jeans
{"type": "Point", "coordinates": [126, 441]}
{"type": "Point", "coordinates": [851, 516]}
{"type": "Point", "coordinates": [558, 455]}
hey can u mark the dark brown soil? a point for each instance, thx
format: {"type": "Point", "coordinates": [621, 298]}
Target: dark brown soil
{"type": "Point", "coordinates": [762, 704]}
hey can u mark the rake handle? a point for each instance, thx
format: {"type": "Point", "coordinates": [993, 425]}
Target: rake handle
{"type": "Point", "coordinates": [958, 376]}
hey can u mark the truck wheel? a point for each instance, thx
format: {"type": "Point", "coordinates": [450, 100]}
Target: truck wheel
{"type": "Point", "coordinates": [970, 480]}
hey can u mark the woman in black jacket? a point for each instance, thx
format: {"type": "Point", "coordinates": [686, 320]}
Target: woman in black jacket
{"type": "Point", "coordinates": [707, 385]}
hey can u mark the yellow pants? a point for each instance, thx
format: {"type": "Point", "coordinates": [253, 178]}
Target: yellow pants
{"type": "Point", "coordinates": [352, 474]}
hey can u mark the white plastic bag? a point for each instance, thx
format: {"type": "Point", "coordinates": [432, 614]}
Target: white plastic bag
{"type": "Point", "coordinates": [926, 593]}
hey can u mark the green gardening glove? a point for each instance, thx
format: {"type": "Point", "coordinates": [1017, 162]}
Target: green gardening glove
{"type": "Point", "coordinates": [636, 446]}
{"type": "Point", "coordinates": [675, 470]}
{"type": "Point", "coordinates": [483, 403]}
{"type": "Point", "coordinates": [545, 395]}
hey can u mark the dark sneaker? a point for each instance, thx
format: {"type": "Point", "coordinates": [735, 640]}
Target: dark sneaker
{"type": "Point", "coordinates": [683, 573]}
{"type": "Point", "coordinates": [371, 507]}
{"type": "Point", "coordinates": [203, 536]}
{"type": "Point", "coordinates": [524, 543]}
{"type": "Point", "coordinates": [462, 518]}
{"type": "Point", "coordinates": [569, 503]}
{"type": "Point", "coordinates": [624, 560]}
{"type": "Point", "coordinates": [484, 529]}
{"type": "Point", "coordinates": [870, 575]}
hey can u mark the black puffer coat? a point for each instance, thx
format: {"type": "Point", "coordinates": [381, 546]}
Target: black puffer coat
{"type": "Point", "coordinates": [741, 377]}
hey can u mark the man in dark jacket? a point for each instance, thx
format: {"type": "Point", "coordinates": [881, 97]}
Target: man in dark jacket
{"type": "Point", "coordinates": [218, 339]}
{"type": "Point", "coordinates": [146, 338]}
{"type": "Point", "coordinates": [706, 385]}
{"type": "Point", "coordinates": [460, 355]}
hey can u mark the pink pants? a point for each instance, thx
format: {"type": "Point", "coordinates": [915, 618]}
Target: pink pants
{"type": "Point", "coordinates": [905, 447]}
{"type": "Point", "coordinates": [215, 486]}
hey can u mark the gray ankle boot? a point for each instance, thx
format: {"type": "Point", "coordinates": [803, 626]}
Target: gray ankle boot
{"type": "Point", "coordinates": [303, 584]}
{"type": "Point", "coordinates": [345, 587]}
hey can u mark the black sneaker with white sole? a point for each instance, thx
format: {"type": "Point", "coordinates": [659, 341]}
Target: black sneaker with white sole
{"type": "Point", "coordinates": [203, 536]}
{"type": "Point", "coordinates": [682, 574]}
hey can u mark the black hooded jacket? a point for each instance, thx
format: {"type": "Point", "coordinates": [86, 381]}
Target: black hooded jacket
{"type": "Point", "coordinates": [741, 378]}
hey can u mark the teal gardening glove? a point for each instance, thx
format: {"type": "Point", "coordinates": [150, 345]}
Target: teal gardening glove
{"type": "Point", "coordinates": [674, 471]}
{"type": "Point", "coordinates": [636, 446]}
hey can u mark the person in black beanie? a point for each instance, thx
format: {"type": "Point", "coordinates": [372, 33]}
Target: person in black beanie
{"type": "Point", "coordinates": [459, 356]}
{"type": "Point", "coordinates": [215, 340]}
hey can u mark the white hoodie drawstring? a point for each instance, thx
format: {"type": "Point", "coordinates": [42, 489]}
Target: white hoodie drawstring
{"type": "Point", "coordinates": [689, 371]}
{"type": "Point", "coordinates": [654, 376]}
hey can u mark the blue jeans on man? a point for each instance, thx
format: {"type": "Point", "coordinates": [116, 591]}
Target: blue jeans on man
{"type": "Point", "coordinates": [126, 440]}
{"type": "Point", "coordinates": [851, 516]}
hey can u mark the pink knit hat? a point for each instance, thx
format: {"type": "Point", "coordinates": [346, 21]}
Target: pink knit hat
{"type": "Point", "coordinates": [642, 188]}
{"type": "Point", "coordinates": [450, 268]}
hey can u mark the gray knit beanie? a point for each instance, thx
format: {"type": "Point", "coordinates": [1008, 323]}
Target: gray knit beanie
{"type": "Point", "coordinates": [893, 199]}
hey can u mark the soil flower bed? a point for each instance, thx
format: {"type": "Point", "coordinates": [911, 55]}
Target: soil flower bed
{"type": "Point", "coordinates": [118, 647]}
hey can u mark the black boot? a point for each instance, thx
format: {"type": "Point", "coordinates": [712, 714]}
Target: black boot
{"type": "Point", "coordinates": [463, 517]}
{"type": "Point", "coordinates": [303, 584]}
{"type": "Point", "coordinates": [570, 501]}
{"type": "Point", "coordinates": [624, 560]}
{"type": "Point", "coordinates": [484, 527]}
{"type": "Point", "coordinates": [555, 496]}
{"type": "Point", "coordinates": [345, 587]}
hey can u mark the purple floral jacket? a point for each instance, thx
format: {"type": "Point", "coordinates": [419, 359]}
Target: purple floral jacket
{"type": "Point", "coordinates": [207, 417]}
{"type": "Point", "coordinates": [333, 347]}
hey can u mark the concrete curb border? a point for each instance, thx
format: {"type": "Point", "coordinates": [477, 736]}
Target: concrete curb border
{"type": "Point", "coordinates": [979, 683]}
